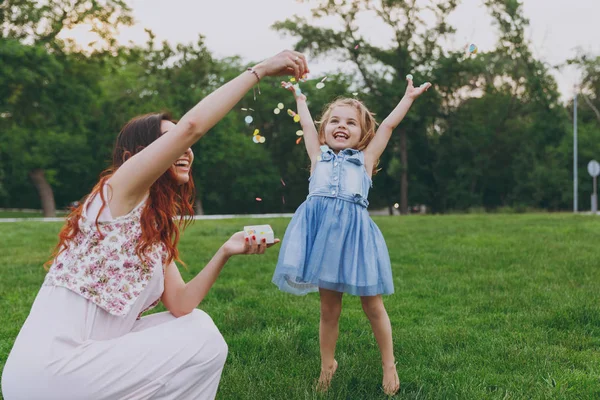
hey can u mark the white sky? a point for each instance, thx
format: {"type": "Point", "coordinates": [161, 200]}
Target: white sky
{"type": "Point", "coordinates": [242, 27]}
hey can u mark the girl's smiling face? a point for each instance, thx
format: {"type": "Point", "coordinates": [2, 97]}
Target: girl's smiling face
{"type": "Point", "coordinates": [343, 130]}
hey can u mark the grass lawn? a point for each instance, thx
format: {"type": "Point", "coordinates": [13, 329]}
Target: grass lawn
{"type": "Point", "coordinates": [28, 214]}
{"type": "Point", "coordinates": [486, 307]}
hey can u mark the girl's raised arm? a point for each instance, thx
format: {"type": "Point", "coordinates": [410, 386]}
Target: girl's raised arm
{"type": "Point", "coordinates": [311, 136]}
{"type": "Point", "coordinates": [382, 137]}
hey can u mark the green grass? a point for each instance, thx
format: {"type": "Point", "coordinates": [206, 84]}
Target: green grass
{"type": "Point", "coordinates": [486, 307]}
{"type": "Point", "coordinates": [27, 214]}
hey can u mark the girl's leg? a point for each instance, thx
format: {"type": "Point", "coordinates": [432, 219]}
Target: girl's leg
{"type": "Point", "coordinates": [331, 308]}
{"type": "Point", "coordinates": [382, 328]}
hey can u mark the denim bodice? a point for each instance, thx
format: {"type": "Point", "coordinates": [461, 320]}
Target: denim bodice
{"type": "Point", "coordinates": [341, 175]}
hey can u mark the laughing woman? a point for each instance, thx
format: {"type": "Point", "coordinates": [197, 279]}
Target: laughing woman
{"type": "Point", "coordinates": [114, 260]}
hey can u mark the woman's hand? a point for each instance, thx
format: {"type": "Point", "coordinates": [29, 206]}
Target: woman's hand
{"type": "Point", "coordinates": [238, 244]}
{"type": "Point", "coordinates": [413, 92]}
{"type": "Point", "coordinates": [287, 62]}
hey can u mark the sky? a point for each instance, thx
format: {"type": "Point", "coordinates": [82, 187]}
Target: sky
{"type": "Point", "coordinates": [243, 27]}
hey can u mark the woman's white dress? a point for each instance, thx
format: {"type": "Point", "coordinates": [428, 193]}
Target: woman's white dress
{"type": "Point", "coordinates": [69, 348]}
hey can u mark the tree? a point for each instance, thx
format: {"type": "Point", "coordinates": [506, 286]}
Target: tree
{"type": "Point", "coordinates": [48, 86]}
{"type": "Point", "coordinates": [41, 21]}
{"type": "Point", "coordinates": [46, 100]}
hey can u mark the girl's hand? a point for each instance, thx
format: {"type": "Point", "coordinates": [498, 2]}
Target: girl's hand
{"type": "Point", "coordinates": [287, 62]}
{"type": "Point", "coordinates": [238, 244]}
{"type": "Point", "coordinates": [414, 92]}
{"type": "Point", "coordinates": [289, 86]}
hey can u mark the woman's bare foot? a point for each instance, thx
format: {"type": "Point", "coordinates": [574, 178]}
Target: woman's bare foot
{"type": "Point", "coordinates": [391, 382]}
{"type": "Point", "coordinates": [326, 376]}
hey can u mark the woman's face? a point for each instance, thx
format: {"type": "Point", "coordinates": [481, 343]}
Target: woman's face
{"type": "Point", "coordinates": [183, 165]}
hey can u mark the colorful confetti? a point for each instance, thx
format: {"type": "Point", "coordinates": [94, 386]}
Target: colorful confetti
{"type": "Point", "coordinates": [297, 90]}
{"type": "Point", "coordinates": [262, 139]}
{"type": "Point", "coordinates": [282, 182]}
{"type": "Point", "coordinates": [255, 139]}
{"type": "Point", "coordinates": [473, 49]}
{"type": "Point", "coordinates": [299, 140]}
{"type": "Point", "coordinates": [355, 94]}
{"type": "Point", "coordinates": [256, 132]}
{"type": "Point", "coordinates": [276, 111]}
{"type": "Point", "coordinates": [356, 47]}
{"type": "Point", "coordinates": [246, 109]}
{"type": "Point", "coordinates": [291, 113]}
{"type": "Point", "coordinates": [296, 118]}
{"type": "Point", "coordinates": [292, 79]}
{"type": "Point", "coordinates": [321, 85]}
{"type": "Point", "coordinates": [248, 119]}
{"type": "Point", "coordinates": [299, 132]}
{"type": "Point", "coordinates": [280, 106]}
{"type": "Point", "coordinates": [258, 199]}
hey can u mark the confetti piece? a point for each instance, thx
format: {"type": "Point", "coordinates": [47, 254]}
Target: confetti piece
{"type": "Point", "coordinates": [246, 109]}
{"type": "Point", "coordinates": [299, 132]}
{"type": "Point", "coordinates": [291, 113]}
{"type": "Point", "coordinates": [262, 139]}
{"type": "Point", "coordinates": [323, 80]}
{"type": "Point", "coordinates": [256, 132]}
{"type": "Point", "coordinates": [248, 119]}
{"type": "Point", "coordinates": [409, 77]}
{"type": "Point", "coordinates": [299, 140]}
{"type": "Point", "coordinates": [258, 199]}
{"type": "Point", "coordinates": [255, 139]}
{"type": "Point", "coordinates": [297, 90]}
{"type": "Point", "coordinates": [280, 106]}
{"type": "Point", "coordinates": [296, 118]}
{"type": "Point", "coordinates": [277, 111]}
{"type": "Point", "coordinates": [355, 94]}
{"type": "Point", "coordinates": [282, 182]}
{"type": "Point", "coordinates": [320, 85]}
{"type": "Point", "coordinates": [292, 79]}
{"type": "Point", "coordinates": [356, 47]}
{"type": "Point", "coordinates": [473, 49]}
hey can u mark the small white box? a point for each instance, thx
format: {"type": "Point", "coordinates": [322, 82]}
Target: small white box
{"type": "Point", "coordinates": [260, 231]}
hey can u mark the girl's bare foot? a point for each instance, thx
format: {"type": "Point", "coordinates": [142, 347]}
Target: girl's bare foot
{"type": "Point", "coordinates": [391, 382]}
{"type": "Point", "coordinates": [326, 376]}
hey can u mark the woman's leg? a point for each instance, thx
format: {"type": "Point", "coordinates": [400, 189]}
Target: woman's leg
{"type": "Point", "coordinates": [163, 357]}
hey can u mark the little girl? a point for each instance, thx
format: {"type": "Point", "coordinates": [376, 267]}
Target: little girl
{"type": "Point", "coordinates": [331, 244]}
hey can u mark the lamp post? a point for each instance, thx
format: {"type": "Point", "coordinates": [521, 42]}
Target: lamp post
{"type": "Point", "coordinates": [575, 151]}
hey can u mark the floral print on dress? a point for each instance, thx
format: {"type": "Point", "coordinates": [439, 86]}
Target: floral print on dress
{"type": "Point", "coordinates": [104, 268]}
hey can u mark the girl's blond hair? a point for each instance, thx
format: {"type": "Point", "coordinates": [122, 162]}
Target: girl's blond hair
{"type": "Point", "coordinates": [366, 120]}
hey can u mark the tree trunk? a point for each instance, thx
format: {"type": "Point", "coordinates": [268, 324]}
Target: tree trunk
{"type": "Point", "coordinates": [44, 189]}
{"type": "Point", "coordinates": [404, 177]}
{"type": "Point", "coordinates": [198, 206]}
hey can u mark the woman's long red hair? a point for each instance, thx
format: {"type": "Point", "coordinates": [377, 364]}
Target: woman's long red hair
{"type": "Point", "coordinates": [168, 201]}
